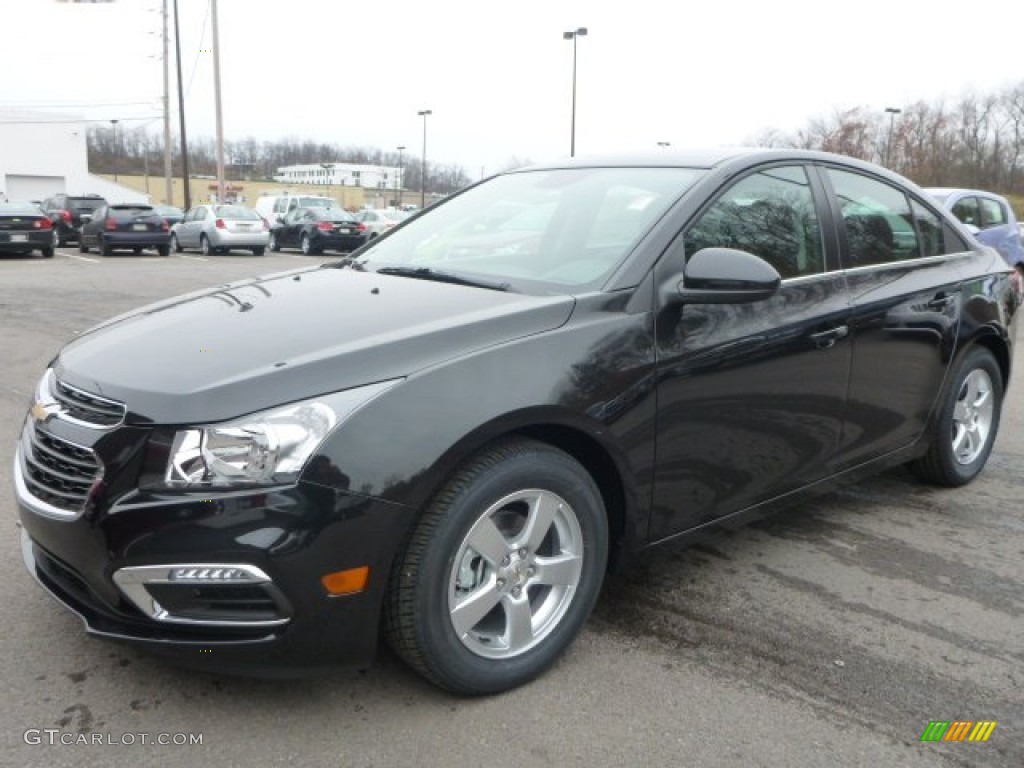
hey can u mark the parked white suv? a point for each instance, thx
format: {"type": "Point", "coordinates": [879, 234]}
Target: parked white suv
{"type": "Point", "coordinates": [275, 207]}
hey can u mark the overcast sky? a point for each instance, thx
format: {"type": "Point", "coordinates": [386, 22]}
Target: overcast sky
{"type": "Point", "coordinates": [497, 75]}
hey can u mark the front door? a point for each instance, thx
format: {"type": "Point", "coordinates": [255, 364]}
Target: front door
{"type": "Point", "coordinates": [752, 397]}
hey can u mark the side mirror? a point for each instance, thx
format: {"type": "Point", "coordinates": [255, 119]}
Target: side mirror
{"type": "Point", "coordinates": [722, 276]}
{"type": "Point", "coordinates": [972, 229]}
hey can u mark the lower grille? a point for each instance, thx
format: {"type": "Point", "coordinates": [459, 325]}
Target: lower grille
{"type": "Point", "coordinates": [56, 471]}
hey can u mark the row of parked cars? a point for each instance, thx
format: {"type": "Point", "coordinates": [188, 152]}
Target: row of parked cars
{"type": "Point", "coordinates": [315, 224]}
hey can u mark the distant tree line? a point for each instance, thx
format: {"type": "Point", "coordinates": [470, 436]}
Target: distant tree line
{"type": "Point", "coordinates": [978, 141]}
{"type": "Point", "coordinates": [133, 151]}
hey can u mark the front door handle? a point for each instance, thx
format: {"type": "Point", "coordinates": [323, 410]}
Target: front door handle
{"type": "Point", "coordinates": [940, 302]}
{"type": "Point", "coordinates": [826, 339]}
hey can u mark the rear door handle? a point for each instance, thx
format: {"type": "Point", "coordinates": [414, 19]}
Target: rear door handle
{"type": "Point", "coordinates": [940, 302]}
{"type": "Point", "coordinates": [826, 339]}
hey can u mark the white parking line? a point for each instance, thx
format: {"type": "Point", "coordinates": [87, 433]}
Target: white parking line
{"type": "Point", "coordinates": [193, 258]}
{"type": "Point", "coordinates": [82, 258]}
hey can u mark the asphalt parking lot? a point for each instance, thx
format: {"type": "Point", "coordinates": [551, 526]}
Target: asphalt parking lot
{"type": "Point", "coordinates": [829, 635]}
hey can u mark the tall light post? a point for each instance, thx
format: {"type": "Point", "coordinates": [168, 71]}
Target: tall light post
{"type": "Point", "coordinates": [181, 110]}
{"type": "Point", "coordinates": [117, 147]}
{"type": "Point", "coordinates": [423, 169]}
{"type": "Point", "coordinates": [217, 103]}
{"type": "Point", "coordinates": [888, 145]}
{"type": "Point", "coordinates": [398, 181]}
{"type": "Point", "coordinates": [328, 173]}
{"type": "Point", "coordinates": [581, 31]}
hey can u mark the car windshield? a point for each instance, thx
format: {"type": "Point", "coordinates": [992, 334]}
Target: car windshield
{"type": "Point", "coordinates": [14, 209]}
{"type": "Point", "coordinates": [335, 214]}
{"type": "Point", "coordinates": [545, 231]}
{"type": "Point", "coordinates": [85, 203]}
{"type": "Point", "coordinates": [315, 202]}
{"type": "Point", "coordinates": [235, 212]}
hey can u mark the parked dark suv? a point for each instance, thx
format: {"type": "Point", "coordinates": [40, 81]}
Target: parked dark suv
{"type": "Point", "coordinates": [69, 212]}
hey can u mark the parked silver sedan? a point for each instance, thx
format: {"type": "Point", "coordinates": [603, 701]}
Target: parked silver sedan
{"type": "Point", "coordinates": [220, 228]}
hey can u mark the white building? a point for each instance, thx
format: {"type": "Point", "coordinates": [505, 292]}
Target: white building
{"type": "Point", "coordinates": [42, 154]}
{"type": "Point", "coordinates": [380, 177]}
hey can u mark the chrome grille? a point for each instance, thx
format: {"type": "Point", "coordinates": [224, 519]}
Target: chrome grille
{"type": "Point", "coordinates": [86, 408]}
{"type": "Point", "coordinates": [56, 471]}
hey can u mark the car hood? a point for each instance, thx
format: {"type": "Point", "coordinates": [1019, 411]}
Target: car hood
{"type": "Point", "coordinates": [224, 352]}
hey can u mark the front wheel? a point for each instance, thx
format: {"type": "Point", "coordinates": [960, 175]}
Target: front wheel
{"type": "Point", "coordinates": [204, 246]}
{"type": "Point", "coordinates": [308, 249]}
{"type": "Point", "coordinates": [961, 435]}
{"type": "Point", "coordinates": [501, 571]}
{"type": "Point", "coordinates": [258, 251]}
{"type": "Point", "coordinates": [273, 244]}
{"type": "Point", "coordinates": [104, 246]}
{"type": "Point", "coordinates": [175, 245]}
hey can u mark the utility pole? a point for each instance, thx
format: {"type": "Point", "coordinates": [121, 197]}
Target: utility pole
{"type": "Point", "coordinates": [181, 107]}
{"type": "Point", "coordinates": [168, 169]}
{"type": "Point", "coordinates": [216, 97]}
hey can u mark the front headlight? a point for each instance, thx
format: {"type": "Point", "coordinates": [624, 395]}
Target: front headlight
{"type": "Point", "coordinates": [263, 448]}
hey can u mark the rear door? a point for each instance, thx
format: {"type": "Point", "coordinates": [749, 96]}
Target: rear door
{"type": "Point", "coordinates": [751, 397]}
{"type": "Point", "coordinates": [906, 300]}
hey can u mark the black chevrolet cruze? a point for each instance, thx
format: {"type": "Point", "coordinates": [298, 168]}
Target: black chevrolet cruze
{"type": "Point", "coordinates": [452, 435]}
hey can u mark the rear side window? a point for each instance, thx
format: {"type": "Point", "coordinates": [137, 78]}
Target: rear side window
{"type": "Point", "coordinates": [877, 220]}
{"type": "Point", "coordinates": [769, 214]}
{"type": "Point", "coordinates": [934, 237]}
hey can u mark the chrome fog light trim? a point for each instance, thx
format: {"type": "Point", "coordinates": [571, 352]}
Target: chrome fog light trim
{"type": "Point", "coordinates": [132, 581]}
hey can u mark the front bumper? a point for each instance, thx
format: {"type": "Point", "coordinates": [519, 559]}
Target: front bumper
{"type": "Point", "coordinates": [293, 535]}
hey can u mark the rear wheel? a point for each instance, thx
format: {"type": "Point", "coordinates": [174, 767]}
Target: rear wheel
{"type": "Point", "coordinates": [47, 252]}
{"type": "Point", "coordinates": [961, 435]}
{"type": "Point", "coordinates": [164, 250]}
{"type": "Point", "coordinates": [501, 571]}
{"type": "Point", "coordinates": [258, 251]}
{"type": "Point", "coordinates": [82, 247]}
{"type": "Point", "coordinates": [175, 245]}
{"type": "Point", "coordinates": [204, 246]}
{"type": "Point", "coordinates": [137, 251]}
{"type": "Point", "coordinates": [273, 244]}
{"type": "Point", "coordinates": [105, 249]}
{"type": "Point", "coordinates": [307, 246]}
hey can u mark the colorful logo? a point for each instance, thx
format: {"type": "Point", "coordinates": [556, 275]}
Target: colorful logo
{"type": "Point", "coordinates": [958, 730]}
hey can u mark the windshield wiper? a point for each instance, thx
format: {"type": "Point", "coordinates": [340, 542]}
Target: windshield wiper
{"type": "Point", "coordinates": [345, 261]}
{"type": "Point", "coordinates": [426, 273]}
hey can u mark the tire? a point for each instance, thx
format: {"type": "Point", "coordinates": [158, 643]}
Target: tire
{"type": "Point", "coordinates": [961, 435]}
{"type": "Point", "coordinates": [440, 579]}
{"type": "Point", "coordinates": [204, 246]}
{"type": "Point", "coordinates": [259, 251]}
{"type": "Point", "coordinates": [137, 251]}
{"type": "Point", "coordinates": [47, 252]}
{"type": "Point", "coordinates": [104, 247]}
{"type": "Point", "coordinates": [175, 245]}
{"type": "Point", "coordinates": [164, 250]}
{"type": "Point", "coordinates": [273, 244]}
{"type": "Point", "coordinates": [306, 245]}
{"type": "Point", "coordinates": [82, 247]}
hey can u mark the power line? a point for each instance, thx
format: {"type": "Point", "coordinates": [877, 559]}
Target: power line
{"type": "Point", "coordinates": [83, 120]}
{"type": "Point", "coordinates": [199, 51]}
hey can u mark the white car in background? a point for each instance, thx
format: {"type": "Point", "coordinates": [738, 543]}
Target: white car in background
{"type": "Point", "coordinates": [378, 220]}
{"type": "Point", "coordinates": [221, 228]}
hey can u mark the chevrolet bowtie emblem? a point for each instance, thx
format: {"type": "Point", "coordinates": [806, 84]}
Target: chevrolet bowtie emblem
{"type": "Point", "coordinates": [43, 412]}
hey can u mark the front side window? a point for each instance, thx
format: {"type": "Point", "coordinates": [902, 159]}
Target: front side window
{"type": "Point", "coordinates": [877, 220]}
{"type": "Point", "coordinates": [968, 210]}
{"type": "Point", "coordinates": [993, 213]}
{"type": "Point", "coordinates": [769, 214]}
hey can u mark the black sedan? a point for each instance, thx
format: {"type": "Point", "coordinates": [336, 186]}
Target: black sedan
{"type": "Point", "coordinates": [25, 228]}
{"type": "Point", "coordinates": [125, 227]}
{"type": "Point", "coordinates": [315, 230]}
{"type": "Point", "coordinates": [455, 445]}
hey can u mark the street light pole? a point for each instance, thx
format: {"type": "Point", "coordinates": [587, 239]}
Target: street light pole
{"type": "Point", "coordinates": [423, 170]}
{"type": "Point", "coordinates": [168, 169]}
{"type": "Point", "coordinates": [217, 103]}
{"type": "Point", "coordinates": [398, 181]}
{"type": "Point", "coordinates": [581, 31]}
{"type": "Point", "coordinates": [181, 110]}
{"type": "Point", "coordinates": [117, 147]}
{"type": "Point", "coordinates": [888, 145]}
